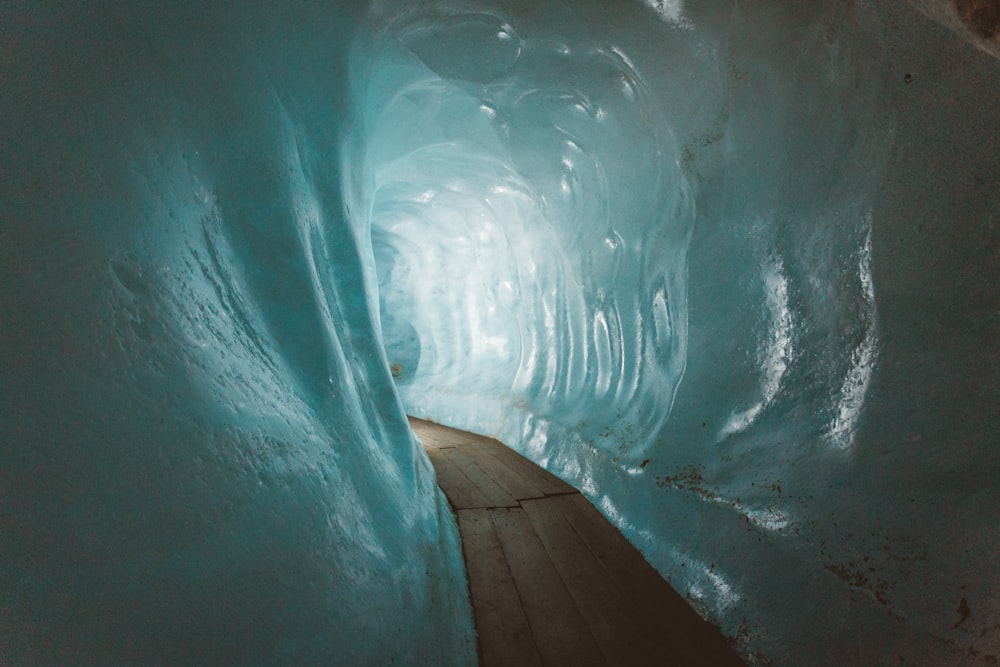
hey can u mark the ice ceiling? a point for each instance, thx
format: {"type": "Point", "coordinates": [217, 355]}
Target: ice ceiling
{"type": "Point", "coordinates": [728, 268]}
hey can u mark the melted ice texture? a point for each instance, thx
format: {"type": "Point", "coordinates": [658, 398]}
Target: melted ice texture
{"type": "Point", "coordinates": [684, 257]}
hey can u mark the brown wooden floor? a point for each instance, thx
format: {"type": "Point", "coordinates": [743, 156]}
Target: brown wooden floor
{"type": "Point", "coordinates": [552, 582]}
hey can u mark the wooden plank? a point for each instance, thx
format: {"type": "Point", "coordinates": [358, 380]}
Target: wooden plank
{"type": "Point", "coordinates": [561, 635]}
{"type": "Point", "coordinates": [440, 431]}
{"type": "Point", "coordinates": [623, 562]}
{"type": "Point", "coordinates": [504, 635]}
{"type": "Point", "coordinates": [438, 436]}
{"type": "Point", "coordinates": [480, 478]}
{"type": "Point", "coordinates": [545, 481]}
{"type": "Point", "coordinates": [433, 444]}
{"type": "Point", "coordinates": [432, 436]}
{"type": "Point", "coordinates": [613, 619]}
{"type": "Point", "coordinates": [512, 482]}
{"type": "Point", "coordinates": [584, 591]}
{"type": "Point", "coordinates": [683, 635]}
{"type": "Point", "coordinates": [461, 493]}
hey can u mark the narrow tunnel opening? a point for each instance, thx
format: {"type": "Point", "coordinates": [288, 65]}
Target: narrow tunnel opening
{"type": "Point", "coordinates": [546, 199]}
{"type": "Point", "coordinates": [724, 266]}
{"type": "Point", "coordinates": [528, 219]}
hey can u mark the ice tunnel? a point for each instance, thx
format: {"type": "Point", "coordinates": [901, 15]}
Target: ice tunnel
{"type": "Point", "coordinates": [729, 268]}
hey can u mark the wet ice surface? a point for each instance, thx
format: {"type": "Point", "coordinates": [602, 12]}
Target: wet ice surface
{"type": "Point", "coordinates": [666, 260]}
{"type": "Point", "coordinates": [203, 458]}
{"type": "Point", "coordinates": [726, 269]}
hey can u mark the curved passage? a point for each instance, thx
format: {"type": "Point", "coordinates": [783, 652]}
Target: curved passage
{"type": "Point", "coordinates": [642, 247]}
{"type": "Point", "coordinates": [529, 220]}
{"type": "Point", "coordinates": [551, 581]}
{"type": "Point", "coordinates": [726, 267]}
{"type": "Point", "coordinates": [532, 204]}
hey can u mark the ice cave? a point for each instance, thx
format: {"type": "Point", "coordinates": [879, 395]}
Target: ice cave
{"type": "Point", "coordinates": [730, 268]}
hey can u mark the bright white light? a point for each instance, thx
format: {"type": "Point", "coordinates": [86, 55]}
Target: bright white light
{"type": "Point", "coordinates": [671, 11]}
{"type": "Point", "coordinates": [855, 387]}
{"type": "Point", "coordinates": [777, 352]}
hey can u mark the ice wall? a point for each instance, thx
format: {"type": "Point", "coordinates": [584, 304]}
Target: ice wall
{"type": "Point", "coordinates": [729, 269]}
{"type": "Point", "coordinates": [202, 458]}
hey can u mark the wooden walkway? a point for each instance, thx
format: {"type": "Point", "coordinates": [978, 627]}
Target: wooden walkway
{"type": "Point", "coordinates": [551, 581]}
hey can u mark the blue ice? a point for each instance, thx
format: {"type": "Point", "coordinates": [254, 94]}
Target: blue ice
{"type": "Point", "coordinates": [727, 268]}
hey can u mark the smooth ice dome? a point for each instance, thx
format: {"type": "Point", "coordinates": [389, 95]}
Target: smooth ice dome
{"type": "Point", "coordinates": [728, 268]}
